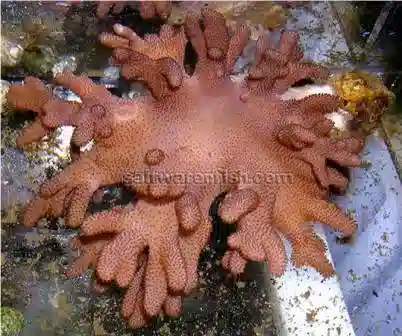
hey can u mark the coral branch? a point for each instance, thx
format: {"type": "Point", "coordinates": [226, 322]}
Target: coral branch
{"type": "Point", "coordinates": [255, 238]}
{"type": "Point", "coordinates": [261, 241]}
{"type": "Point", "coordinates": [96, 100]}
{"type": "Point", "coordinates": [34, 96]}
{"type": "Point", "coordinates": [69, 193]}
{"type": "Point", "coordinates": [316, 148]}
{"type": "Point", "coordinates": [156, 61]}
{"type": "Point", "coordinates": [216, 49]}
{"type": "Point", "coordinates": [306, 206]}
{"type": "Point", "coordinates": [325, 149]}
{"type": "Point", "coordinates": [53, 112]}
{"type": "Point", "coordinates": [90, 248]}
{"type": "Point", "coordinates": [170, 266]}
{"type": "Point", "coordinates": [275, 70]}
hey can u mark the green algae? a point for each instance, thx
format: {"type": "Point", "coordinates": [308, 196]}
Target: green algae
{"type": "Point", "coordinates": [12, 321]}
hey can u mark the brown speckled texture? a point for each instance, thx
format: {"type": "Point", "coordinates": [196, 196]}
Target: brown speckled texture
{"type": "Point", "coordinates": [269, 157]}
{"type": "Point", "coordinates": [154, 60]}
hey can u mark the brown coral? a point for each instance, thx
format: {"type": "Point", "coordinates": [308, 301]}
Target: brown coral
{"type": "Point", "coordinates": [192, 140]}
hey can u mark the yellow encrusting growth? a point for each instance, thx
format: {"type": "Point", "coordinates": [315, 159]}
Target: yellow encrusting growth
{"type": "Point", "coordinates": [365, 96]}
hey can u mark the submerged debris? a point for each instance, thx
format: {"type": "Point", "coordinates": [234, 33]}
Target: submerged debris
{"type": "Point", "coordinates": [11, 52]}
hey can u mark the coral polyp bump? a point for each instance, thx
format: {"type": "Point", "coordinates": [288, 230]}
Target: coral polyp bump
{"type": "Point", "coordinates": [189, 140]}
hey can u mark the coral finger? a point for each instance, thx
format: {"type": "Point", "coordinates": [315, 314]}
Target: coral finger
{"type": "Point", "coordinates": [89, 253]}
{"type": "Point", "coordinates": [80, 265]}
{"type": "Point", "coordinates": [188, 212]}
{"type": "Point", "coordinates": [133, 69]}
{"type": "Point", "coordinates": [139, 317]}
{"type": "Point", "coordinates": [32, 133]}
{"type": "Point", "coordinates": [236, 46]}
{"type": "Point", "coordinates": [321, 103]}
{"type": "Point", "coordinates": [163, 8]}
{"type": "Point", "coordinates": [176, 190]}
{"type": "Point", "coordinates": [296, 136]}
{"type": "Point", "coordinates": [103, 9]}
{"type": "Point", "coordinates": [337, 180]}
{"type": "Point", "coordinates": [226, 259]}
{"type": "Point", "coordinates": [129, 34]}
{"type": "Point", "coordinates": [174, 267]}
{"type": "Point", "coordinates": [113, 41]}
{"type": "Point", "coordinates": [42, 207]}
{"type": "Point", "coordinates": [59, 113]}
{"type": "Point", "coordinates": [130, 258]}
{"type": "Point", "coordinates": [237, 263]}
{"type": "Point", "coordinates": [103, 130]}
{"type": "Point", "coordinates": [241, 241]}
{"type": "Point", "coordinates": [137, 181]}
{"type": "Point", "coordinates": [345, 159]}
{"type": "Point", "coordinates": [309, 250]}
{"type": "Point", "coordinates": [76, 243]}
{"type": "Point", "coordinates": [298, 72]}
{"type": "Point", "coordinates": [35, 210]}
{"type": "Point", "coordinates": [330, 214]}
{"type": "Point", "coordinates": [66, 179]}
{"type": "Point", "coordinates": [275, 253]}
{"type": "Point", "coordinates": [172, 306]}
{"type": "Point", "coordinates": [116, 63]}
{"type": "Point", "coordinates": [110, 257]}
{"type": "Point", "coordinates": [109, 221]}
{"type": "Point", "coordinates": [79, 202]}
{"type": "Point", "coordinates": [147, 9]}
{"type": "Point", "coordinates": [132, 295]}
{"type": "Point", "coordinates": [309, 70]}
{"type": "Point", "coordinates": [196, 36]}
{"type": "Point", "coordinates": [172, 71]}
{"type": "Point", "coordinates": [288, 43]}
{"type": "Point", "coordinates": [353, 145]}
{"type": "Point", "coordinates": [158, 190]}
{"type": "Point", "coordinates": [238, 203]}
{"type": "Point", "coordinates": [32, 95]}
{"type": "Point", "coordinates": [269, 72]}
{"type": "Point", "coordinates": [323, 127]}
{"type": "Point", "coordinates": [216, 33]}
{"type": "Point", "coordinates": [80, 85]}
{"type": "Point", "coordinates": [261, 46]}
{"type": "Point", "coordinates": [191, 247]}
{"type": "Point", "coordinates": [84, 132]}
{"type": "Point", "coordinates": [156, 286]}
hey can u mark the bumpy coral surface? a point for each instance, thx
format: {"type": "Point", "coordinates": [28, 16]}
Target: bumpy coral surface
{"type": "Point", "coordinates": [192, 139]}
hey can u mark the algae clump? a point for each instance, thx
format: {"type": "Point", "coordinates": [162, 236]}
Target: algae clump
{"type": "Point", "coordinates": [12, 321]}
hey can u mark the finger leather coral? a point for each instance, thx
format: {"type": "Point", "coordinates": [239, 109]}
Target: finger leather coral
{"type": "Point", "coordinates": [190, 140]}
